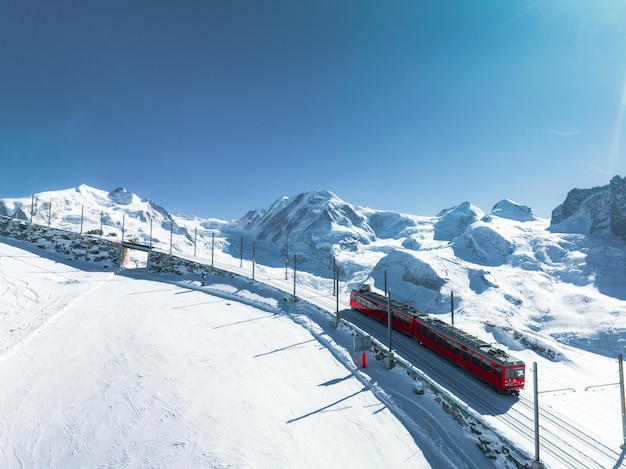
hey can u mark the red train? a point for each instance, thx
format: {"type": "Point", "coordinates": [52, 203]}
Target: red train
{"type": "Point", "coordinates": [491, 364]}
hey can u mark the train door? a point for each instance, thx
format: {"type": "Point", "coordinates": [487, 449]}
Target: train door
{"type": "Point", "coordinates": [465, 357]}
{"type": "Point", "coordinates": [498, 377]}
{"type": "Point", "coordinates": [487, 371]}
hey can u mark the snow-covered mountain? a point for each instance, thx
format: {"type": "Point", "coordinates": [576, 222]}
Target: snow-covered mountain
{"type": "Point", "coordinates": [114, 214]}
{"type": "Point", "coordinates": [506, 266]}
{"type": "Point", "coordinates": [319, 223]}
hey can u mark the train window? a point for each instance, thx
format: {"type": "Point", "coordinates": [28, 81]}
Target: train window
{"type": "Point", "coordinates": [465, 354]}
{"type": "Point", "coordinates": [448, 344]}
{"type": "Point", "coordinates": [424, 331]}
{"type": "Point", "coordinates": [497, 370]}
{"type": "Point", "coordinates": [439, 339]}
{"type": "Point", "coordinates": [518, 372]}
{"type": "Point", "coordinates": [476, 359]}
{"type": "Point", "coordinates": [507, 373]}
{"type": "Point", "coordinates": [487, 366]}
{"type": "Point", "coordinates": [456, 349]}
{"type": "Point", "coordinates": [432, 336]}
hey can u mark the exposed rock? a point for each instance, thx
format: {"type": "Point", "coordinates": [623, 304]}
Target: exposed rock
{"type": "Point", "coordinates": [479, 280]}
{"type": "Point", "coordinates": [121, 196]}
{"type": "Point", "coordinates": [595, 210]}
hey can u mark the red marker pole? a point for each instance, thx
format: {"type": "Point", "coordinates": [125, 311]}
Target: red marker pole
{"type": "Point", "coordinates": [363, 360]}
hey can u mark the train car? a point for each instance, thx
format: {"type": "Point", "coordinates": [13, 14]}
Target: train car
{"type": "Point", "coordinates": [489, 363]}
{"type": "Point", "coordinates": [375, 305]}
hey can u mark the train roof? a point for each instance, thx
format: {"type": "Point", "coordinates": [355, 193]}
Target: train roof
{"type": "Point", "coordinates": [395, 304]}
{"type": "Point", "coordinates": [472, 342]}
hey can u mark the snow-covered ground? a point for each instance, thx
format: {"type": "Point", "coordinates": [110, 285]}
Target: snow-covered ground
{"type": "Point", "coordinates": [105, 370]}
{"type": "Point", "coordinates": [551, 298]}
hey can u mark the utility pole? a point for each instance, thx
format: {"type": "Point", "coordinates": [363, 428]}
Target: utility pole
{"type": "Point", "coordinates": [212, 248]}
{"type": "Point", "coordinates": [334, 275]}
{"type": "Point", "coordinates": [389, 358]}
{"type": "Point", "coordinates": [171, 235]}
{"type": "Point", "coordinates": [253, 258]}
{"type": "Point", "coordinates": [536, 464]}
{"type": "Point", "coordinates": [294, 276]}
{"type": "Point", "coordinates": [123, 223]}
{"type": "Point", "coordinates": [389, 320]}
{"type": "Point", "coordinates": [335, 321]}
{"type": "Point", "coordinates": [452, 306]}
{"type": "Point", "coordinates": [241, 252]}
{"type": "Point", "coordinates": [82, 212]}
{"type": "Point", "coordinates": [385, 282]}
{"type": "Point", "coordinates": [620, 358]}
{"type": "Point", "coordinates": [32, 209]}
{"type": "Point", "coordinates": [195, 240]}
{"type": "Point", "coordinates": [337, 290]}
{"type": "Point", "coordinates": [287, 257]}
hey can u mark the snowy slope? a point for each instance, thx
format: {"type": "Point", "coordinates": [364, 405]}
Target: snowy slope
{"type": "Point", "coordinates": [552, 294]}
{"type": "Point", "coordinates": [119, 371]}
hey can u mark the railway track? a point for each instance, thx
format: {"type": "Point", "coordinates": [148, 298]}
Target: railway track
{"type": "Point", "coordinates": [513, 418]}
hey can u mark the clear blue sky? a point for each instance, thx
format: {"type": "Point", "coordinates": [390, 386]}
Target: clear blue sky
{"type": "Point", "coordinates": [218, 107]}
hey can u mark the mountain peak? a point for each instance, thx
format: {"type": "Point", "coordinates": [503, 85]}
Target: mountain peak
{"type": "Point", "coordinates": [453, 221]}
{"type": "Point", "coordinates": [317, 219]}
{"type": "Point", "coordinates": [121, 196]}
{"type": "Point", "coordinates": [513, 211]}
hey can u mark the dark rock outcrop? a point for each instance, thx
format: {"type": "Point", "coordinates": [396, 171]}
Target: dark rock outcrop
{"type": "Point", "coordinates": [595, 210]}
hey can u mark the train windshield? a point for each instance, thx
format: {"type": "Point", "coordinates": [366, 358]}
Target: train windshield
{"type": "Point", "coordinates": [518, 372]}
